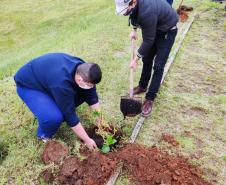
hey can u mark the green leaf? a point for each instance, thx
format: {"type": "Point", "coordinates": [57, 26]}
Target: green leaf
{"type": "Point", "coordinates": [96, 113]}
{"type": "Point", "coordinates": [105, 149]}
{"type": "Point", "coordinates": [113, 141]}
{"type": "Point", "coordinates": [110, 140]}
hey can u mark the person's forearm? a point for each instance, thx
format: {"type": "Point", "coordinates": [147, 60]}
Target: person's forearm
{"type": "Point", "coordinates": [80, 132]}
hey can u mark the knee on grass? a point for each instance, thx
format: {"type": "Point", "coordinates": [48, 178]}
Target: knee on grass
{"type": "Point", "coordinates": [50, 125]}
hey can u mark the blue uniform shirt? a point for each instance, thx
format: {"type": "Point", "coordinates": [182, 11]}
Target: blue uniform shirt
{"type": "Point", "coordinates": [170, 2]}
{"type": "Point", "coordinates": [53, 74]}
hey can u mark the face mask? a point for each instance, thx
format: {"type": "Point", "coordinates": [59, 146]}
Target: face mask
{"type": "Point", "coordinates": [131, 11]}
{"type": "Point", "coordinates": [128, 12]}
{"type": "Point", "coordinates": [123, 11]}
{"type": "Point", "coordinates": [84, 86]}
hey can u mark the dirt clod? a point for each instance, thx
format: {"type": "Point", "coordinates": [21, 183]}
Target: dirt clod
{"type": "Point", "coordinates": [53, 152]}
{"type": "Point", "coordinates": [182, 12]}
{"type": "Point", "coordinates": [183, 15]}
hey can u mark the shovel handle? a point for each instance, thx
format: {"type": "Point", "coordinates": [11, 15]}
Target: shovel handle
{"type": "Point", "coordinates": [180, 4]}
{"type": "Point", "coordinates": [131, 69]}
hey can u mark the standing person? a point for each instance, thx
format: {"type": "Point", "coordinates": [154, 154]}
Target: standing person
{"type": "Point", "coordinates": [52, 86]}
{"type": "Point", "coordinates": [157, 21]}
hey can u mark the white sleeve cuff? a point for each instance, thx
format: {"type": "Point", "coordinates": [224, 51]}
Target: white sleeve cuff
{"type": "Point", "coordinates": [139, 55]}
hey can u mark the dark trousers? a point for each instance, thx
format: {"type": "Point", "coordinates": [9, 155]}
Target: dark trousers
{"type": "Point", "coordinates": [158, 55]}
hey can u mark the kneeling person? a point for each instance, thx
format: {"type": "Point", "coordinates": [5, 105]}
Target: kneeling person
{"type": "Point", "coordinates": [52, 86]}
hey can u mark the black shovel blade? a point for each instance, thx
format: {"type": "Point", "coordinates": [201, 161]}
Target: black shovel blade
{"type": "Point", "coordinates": [130, 106]}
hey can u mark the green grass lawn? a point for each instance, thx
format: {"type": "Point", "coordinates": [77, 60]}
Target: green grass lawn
{"type": "Point", "coordinates": [192, 98]}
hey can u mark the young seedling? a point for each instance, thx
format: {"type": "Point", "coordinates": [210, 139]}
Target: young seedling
{"type": "Point", "coordinates": [103, 130]}
{"type": "Point", "coordinates": [99, 118]}
{"type": "Point", "coordinates": [109, 140]}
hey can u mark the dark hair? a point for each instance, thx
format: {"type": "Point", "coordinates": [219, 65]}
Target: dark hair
{"type": "Point", "coordinates": [90, 72]}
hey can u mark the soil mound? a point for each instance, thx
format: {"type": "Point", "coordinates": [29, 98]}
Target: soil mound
{"type": "Point", "coordinates": [152, 166]}
{"type": "Point", "coordinates": [145, 166]}
{"type": "Point", "coordinates": [96, 169]}
{"type": "Point", "coordinates": [53, 152]}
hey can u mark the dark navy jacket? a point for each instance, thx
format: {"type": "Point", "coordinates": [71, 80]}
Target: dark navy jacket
{"type": "Point", "coordinates": [152, 16]}
{"type": "Point", "coordinates": [170, 2]}
{"type": "Point", "coordinates": [53, 74]}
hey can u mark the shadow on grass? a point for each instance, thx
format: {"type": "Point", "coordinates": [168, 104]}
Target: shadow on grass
{"type": "Point", "coordinates": [3, 151]}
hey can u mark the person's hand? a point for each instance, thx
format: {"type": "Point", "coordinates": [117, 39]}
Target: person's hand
{"type": "Point", "coordinates": [90, 143]}
{"type": "Point", "coordinates": [133, 64]}
{"type": "Point", "coordinates": [133, 35]}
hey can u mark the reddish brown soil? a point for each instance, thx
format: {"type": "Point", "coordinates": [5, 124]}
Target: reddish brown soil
{"type": "Point", "coordinates": [153, 167]}
{"type": "Point", "coordinates": [145, 166]}
{"type": "Point", "coordinates": [53, 152]}
{"type": "Point", "coordinates": [94, 170]}
{"type": "Point", "coordinates": [182, 12]}
{"type": "Point", "coordinates": [170, 139]}
{"type": "Point", "coordinates": [183, 15]}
